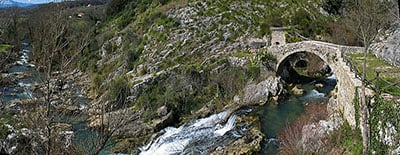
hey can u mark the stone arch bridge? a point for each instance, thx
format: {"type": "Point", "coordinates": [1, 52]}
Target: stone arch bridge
{"type": "Point", "coordinates": [332, 55]}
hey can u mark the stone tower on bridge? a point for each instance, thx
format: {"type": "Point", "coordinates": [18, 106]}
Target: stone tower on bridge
{"type": "Point", "coordinates": [278, 36]}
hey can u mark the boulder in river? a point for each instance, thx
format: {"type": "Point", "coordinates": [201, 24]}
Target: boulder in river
{"type": "Point", "coordinates": [261, 92]}
{"type": "Point", "coordinates": [297, 91]}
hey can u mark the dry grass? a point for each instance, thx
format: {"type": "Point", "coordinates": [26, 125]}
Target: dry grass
{"type": "Point", "coordinates": [291, 137]}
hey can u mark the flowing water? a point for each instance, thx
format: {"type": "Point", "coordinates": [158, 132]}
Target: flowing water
{"type": "Point", "coordinates": [197, 136]}
{"type": "Point", "coordinates": [276, 116]}
{"type": "Point", "coordinates": [194, 137]}
{"type": "Point", "coordinates": [203, 135]}
{"type": "Point", "coordinates": [24, 76]}
{"type": "Point", "coordinates": [21, 73]}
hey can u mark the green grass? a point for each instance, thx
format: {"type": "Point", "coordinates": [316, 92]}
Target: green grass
{"type": "Point", "coordinates": [243, 54]}
{"type": "Point", "coordinates": [349, 139]}
{"type": "Point", "coordinates": [388, 72]}
{"type": "Point", "coordinates": [3, 48]}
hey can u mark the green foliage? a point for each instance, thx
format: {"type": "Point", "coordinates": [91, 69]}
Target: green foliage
{"type": "Point", "coordinates": [265, 56]}
{"type": "Point", "coordinates": [231, 82]}
{"type": "Point", "coordinates": [4, 119]}
{"type": "Point", "coordinates": [223, 60]}
{"type": "Point", "coordinates": [381, 113]}
{"type": "Point", "coordinates": [133, 49]}
{"type": "Point", "coordinates": [3, 48]}
{"type": "Point", "coordinates": [347, 138]}
{"type": "Point", "coordinates": [119, 90]}
{"type": "Point", "coordinates": [243, 54]}
{"type": "Point", "coordinates": [253, 70]}
{"type": "Point", "coordinates": [388, 73]}
{"type": "Point", "coordinates": [308, 25]}
{"type": "Point", "coordinates": [188, 90]}
{"type": "Point", "coordinates": [333, 6]}
{"type": "Point", "coordinates": [116, 6]}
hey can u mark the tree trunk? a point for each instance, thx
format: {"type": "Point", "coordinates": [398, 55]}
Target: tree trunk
{"type": "Point", "coordinates": [364, 107]}
{"type": "Point", "coordinates": [398, 6]}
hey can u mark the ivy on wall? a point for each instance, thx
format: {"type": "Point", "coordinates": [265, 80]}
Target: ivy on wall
{"type": "Point", "coordinates": [384, 125]}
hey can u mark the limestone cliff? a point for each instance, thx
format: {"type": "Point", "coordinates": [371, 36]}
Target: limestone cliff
{"type": "Point", "coordinates": [387, 45]}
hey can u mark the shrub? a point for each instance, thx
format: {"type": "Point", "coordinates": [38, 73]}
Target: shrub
{"type": "Point", "coordinates": [291, 137]}
{"type": "Point", "coordinates": [333, 6]}
{"type": "Point", "coordinates": [119, 91]}
{"type": "Point", "coordinates": [253, 70]}
{"type": "Point", "coordinates": [116, 6]}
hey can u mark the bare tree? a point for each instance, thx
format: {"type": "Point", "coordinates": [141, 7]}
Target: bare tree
{"type": "Point", "coordinates": [51, 39]}
{"type": "Point", "coordinates": [398, 7]}
{"type": "Point", "coordinates": [367, 18]}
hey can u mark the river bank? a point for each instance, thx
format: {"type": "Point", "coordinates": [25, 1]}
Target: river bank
{"type": "Point", "coordinates": [36, 107]}
{"type": "Point", "coordinates": [73, 115]}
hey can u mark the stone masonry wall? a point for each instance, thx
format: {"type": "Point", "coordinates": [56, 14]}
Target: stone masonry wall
{"type": "Point", "coordinates": [330, 53]}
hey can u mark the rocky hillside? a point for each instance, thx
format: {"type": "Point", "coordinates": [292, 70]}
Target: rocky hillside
{"type": "Point", "coordinates": [387, 45]}
{"type": "Point", "coordinates": [170, 61]}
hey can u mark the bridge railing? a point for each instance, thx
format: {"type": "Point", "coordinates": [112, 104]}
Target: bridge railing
{"type": "Point", "coordinates": [378, 83]}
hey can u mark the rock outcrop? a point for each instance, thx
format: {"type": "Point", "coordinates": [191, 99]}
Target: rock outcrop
{"type": "Point", "coordinates": [261, 92]}
{"type": "Point", "coordinates": [387, 45]}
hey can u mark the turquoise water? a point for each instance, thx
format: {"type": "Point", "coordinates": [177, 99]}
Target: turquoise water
{"type": "Point", "coordinates": [276, 116]}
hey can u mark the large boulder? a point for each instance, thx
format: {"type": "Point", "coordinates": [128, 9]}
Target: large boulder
{"type": "Point", "coordinates": [387, 45]}
{"type": "Point", "coordinates": [261, 92]}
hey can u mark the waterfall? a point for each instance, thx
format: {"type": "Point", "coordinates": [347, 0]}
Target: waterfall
{"type": "Point", "coordinates": [228, 126]}
{"type": "Point", "coordinates": [197, 135]}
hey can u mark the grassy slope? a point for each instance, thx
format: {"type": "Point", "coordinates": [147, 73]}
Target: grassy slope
{"type": "Point", "coordinates": [388, 72]}
{"type": "Point", "coordinates": [193, 38]}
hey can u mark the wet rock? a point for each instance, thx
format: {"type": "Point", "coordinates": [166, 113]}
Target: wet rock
{"type": "Point", "coordinates": [249, 143]}
{"type": "Point", "coordinates": [297, 91]}
{"type": "Point", "coordinates": [6, 79]}
{"type": "Point", "coordinates": [206, 111]}
{"type": "Point", "coordinates": [20, 75]}
{"type": "Point", "coordinates": [163, 122]}
{"type": "Point", "coordinates": [319, 85]}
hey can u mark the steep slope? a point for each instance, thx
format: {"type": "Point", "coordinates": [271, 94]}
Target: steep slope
{"type": "Point", "coordinates": [175, 60]}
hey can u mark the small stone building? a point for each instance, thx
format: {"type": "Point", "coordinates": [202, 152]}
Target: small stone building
{"type": "Point", "coordinates": [278, 36]}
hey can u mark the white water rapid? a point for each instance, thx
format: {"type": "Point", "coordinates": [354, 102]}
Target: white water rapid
{"type": "Point", "coordinates": [192, 134]}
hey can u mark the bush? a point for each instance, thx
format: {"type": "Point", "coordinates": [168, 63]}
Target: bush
{"type": "Point", "coordinates": [119, 91]}
{"type": "Point", "coordinates": [116, 6]}
{"type": "Point", "coordinates": [333, 6]}
{"type": "Point", "coordinates": [253, 70]}
{"type": "Point", "coordinates": [291, 137]}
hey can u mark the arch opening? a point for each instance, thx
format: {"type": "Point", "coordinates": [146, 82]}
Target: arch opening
{"type": "Point", "coordinates": [301, 64]}
{"type": "Point", "coordinates": [303, 67]}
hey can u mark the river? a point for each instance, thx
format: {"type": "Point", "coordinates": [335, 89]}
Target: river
{"type": "Point", "coordinates": [276, 116]}
{"type": "Point", "coordinates": [203, 135]}
{"type": "Point", "coordinates": [25, 81]}
{"type": "Point", "coordinates": [194, 137]}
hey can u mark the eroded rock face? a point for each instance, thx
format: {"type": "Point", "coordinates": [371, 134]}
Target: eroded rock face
{"type": "Point", "coordinates": [261, 92]}
{"type": "Point", "coordinates": [387, 45]}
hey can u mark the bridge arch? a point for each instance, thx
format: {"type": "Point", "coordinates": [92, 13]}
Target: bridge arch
{"type": "Point", "coordinates": [328, 53]}
{"type": "Point", "coordinates": [288, 54]}
{"type": "Point", "coordinates": [331, 54]}
{"type": "Point", "coordinates": [310, 64]}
